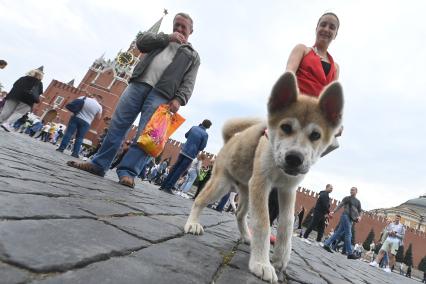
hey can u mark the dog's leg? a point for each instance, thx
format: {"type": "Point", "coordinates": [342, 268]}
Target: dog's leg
{"type": "Point", "coordinates": [259, 219]}
{"type": "Point", "coordinates": [216, 187]}
{"type": "Point", "coordinates": [243, 205]}
{"type": "Point", "coordinates": [282, 248]}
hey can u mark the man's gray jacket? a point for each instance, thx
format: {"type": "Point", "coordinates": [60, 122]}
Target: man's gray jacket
{"type": "Point", "coordinates": [178, 79]}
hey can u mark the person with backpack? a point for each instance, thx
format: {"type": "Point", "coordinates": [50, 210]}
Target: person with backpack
{"type": "Point", "coordinates": [21, 98]}
{"type": "Point", "coordinates": [79, 123]}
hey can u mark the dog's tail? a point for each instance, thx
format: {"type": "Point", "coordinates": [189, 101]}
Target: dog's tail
{"type": "Point", "coordinates": [233, 126]}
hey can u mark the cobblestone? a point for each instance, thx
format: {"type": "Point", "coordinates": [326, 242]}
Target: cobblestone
{"type": "Point", "coordinates": [60, 225]}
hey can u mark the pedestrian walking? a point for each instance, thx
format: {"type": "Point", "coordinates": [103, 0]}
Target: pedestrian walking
{"type": "Point", "coordinates": [408, 274]}
{"type": "Point", "coordinates": [321, 210]}
{"type": "Point", "coordinates": [21, 98]}
{"type": "Point", "coordinates": [162, 170]}
{"type": "Point", "coordinates": [35, 127]}
{"type": "Point", "coordinates": [352, 213]}
{"type": "Point", "coordinates": [204, 178]}
{"type": "Point", "coordinates": [58, 134]}
{"type": "Point", "coordinates": [18, 123]}
{"type": "Point", "coordinates": [165, 75]}
{"type": "Point", "coordinates": [300, 216]}
{"type": "Point", "coordinates": [370, 253]}
{"type": "Point", "coordinates": [193, 172]}
{"type": "Point", "coordinates": [221, 205]}
{"type": "Point", "coordinates": [44, 134]}
{"type": "Point", "coordinates": [80, 123]}
{"type": "Point", "coordinates": [196, 141]}
{"type": "Point", "coordinates": [401, 268]}
{"type": "Point", "coordinates": [395, 233]}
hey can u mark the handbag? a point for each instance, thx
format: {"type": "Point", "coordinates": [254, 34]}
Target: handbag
{"type": "Point", "coordinates": [158, 130]}
{"type": "Point", "coordinates": [76, 105]}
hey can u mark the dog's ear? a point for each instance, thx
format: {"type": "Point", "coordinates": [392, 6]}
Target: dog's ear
{"type": "Point", "coordinates": [284, 93]}
{"type": "Point", "coordinates": [331, 103]}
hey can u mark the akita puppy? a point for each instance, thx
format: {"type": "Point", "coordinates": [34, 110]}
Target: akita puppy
{"type": "Point", "coordinates": [258, 156]}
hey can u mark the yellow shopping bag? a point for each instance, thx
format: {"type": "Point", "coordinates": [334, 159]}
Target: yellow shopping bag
{"type": "Point", "coordinates": [159, 128]}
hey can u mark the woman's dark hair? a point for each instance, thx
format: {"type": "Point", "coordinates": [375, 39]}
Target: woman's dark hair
{"type": "Point", "coordinates": [331, 14]}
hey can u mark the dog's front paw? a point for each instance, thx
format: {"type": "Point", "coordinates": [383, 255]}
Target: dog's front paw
{"type": "Point", "coordinates": [280, 261]}
{"type": "Point", "coordinates": [245, 239]}
{"type": "Point", "coordinates": [264, 271]}
{"type": "Point", "coordinates": [279, 265]}
{"type": "Point", "coordinates": [193, 228]}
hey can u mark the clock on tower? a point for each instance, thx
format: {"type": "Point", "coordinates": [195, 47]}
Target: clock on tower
{"type": "Point", "coordinates": [125, 58]}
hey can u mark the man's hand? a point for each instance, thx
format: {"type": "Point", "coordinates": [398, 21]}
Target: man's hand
{"type": "Point", "coordinates": [177, 37]}
{"type": "Point", "coordinates": [174, 105]}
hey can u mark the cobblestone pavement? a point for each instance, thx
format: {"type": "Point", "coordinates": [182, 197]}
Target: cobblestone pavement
{"type": "Point", "coordinates": [61, 225]}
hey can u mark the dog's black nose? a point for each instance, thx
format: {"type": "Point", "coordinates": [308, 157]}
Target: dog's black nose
{"type": "Point", "coordinates": [294, 159]}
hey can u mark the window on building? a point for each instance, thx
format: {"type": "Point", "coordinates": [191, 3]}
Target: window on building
{"type": "Point", "coordinates": [58, 100]}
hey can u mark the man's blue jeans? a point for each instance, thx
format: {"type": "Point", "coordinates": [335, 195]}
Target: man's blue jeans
{"type": "Point", "coordinates": [345, 229]}
{"type": "Point", "coordinates": [192, 176]}
{"type": "Point", "coordinates": [78, 125]}
{"type": "Point", "coordinates": [138, 98]}
{"type": "Point", "coordinates": [223, 202]}
{"type": "Point", "coordinates": [179, 167]}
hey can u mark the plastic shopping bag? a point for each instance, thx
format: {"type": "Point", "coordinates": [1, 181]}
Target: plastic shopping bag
{"type": "Point", "coordinates": [159, 128]}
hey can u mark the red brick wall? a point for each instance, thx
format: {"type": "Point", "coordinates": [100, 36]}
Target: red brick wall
{"type": "Point", "coordinates": [308, 199]}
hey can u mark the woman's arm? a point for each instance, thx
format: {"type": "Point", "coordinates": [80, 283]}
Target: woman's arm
{"type": "Point", "coordinates": [336, 76]}
{"type": "Point", "coordinates": [296, 57]}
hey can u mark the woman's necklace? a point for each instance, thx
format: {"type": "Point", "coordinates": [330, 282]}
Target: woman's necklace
{"type": "Point", "coordinates": [323, 58]}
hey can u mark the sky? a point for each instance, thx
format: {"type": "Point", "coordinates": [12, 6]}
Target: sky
{"type": "Point", "coordinates": [244, 46]}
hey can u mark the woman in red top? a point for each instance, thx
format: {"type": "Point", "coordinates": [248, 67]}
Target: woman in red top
{"type": "Point", "coordinates": [314, 67]}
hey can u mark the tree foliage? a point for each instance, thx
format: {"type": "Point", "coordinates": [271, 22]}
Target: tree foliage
{"type": "Point", "coordinates": [368, 240]}
{"type": "Point", "coordinates": [400, 254]}
{"type": "Point", "coordinates": [422, 264]}
{"type": "Point", "coordinates": [408, 258]}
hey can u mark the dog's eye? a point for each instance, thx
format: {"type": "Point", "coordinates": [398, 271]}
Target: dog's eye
{"type": "Point", "coordinates": [314, 136]}
{"type": "Point", "coordinates": [287, 128]}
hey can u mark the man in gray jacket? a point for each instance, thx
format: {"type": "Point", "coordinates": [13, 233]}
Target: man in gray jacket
{"type": "Point", "coordinates": [165, 75]}
{"type": "Point", "coordinates": [351, 213]}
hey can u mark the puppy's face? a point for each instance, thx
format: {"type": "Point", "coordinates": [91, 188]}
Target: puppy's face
{"type": "Point", "coordinates": [300, 128]}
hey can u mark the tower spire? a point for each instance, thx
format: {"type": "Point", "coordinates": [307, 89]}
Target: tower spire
{"type": "Point", "coordinates": [156, 27]}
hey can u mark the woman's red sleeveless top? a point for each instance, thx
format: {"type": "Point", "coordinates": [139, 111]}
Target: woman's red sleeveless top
{"type": "Point", "coordinates": [310, 75]}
